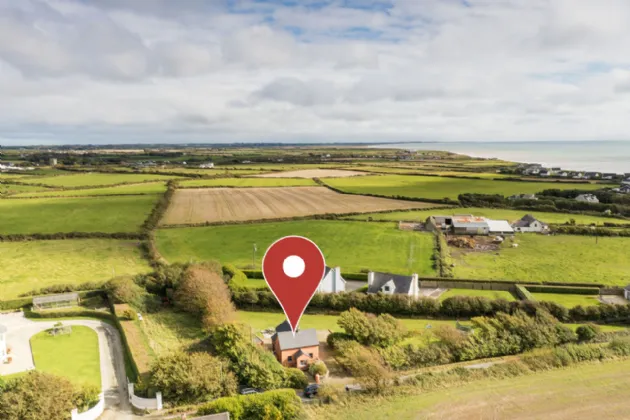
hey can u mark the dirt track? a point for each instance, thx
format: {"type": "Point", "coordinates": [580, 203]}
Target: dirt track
{"type": "Point", "coordinates": [201, 205]}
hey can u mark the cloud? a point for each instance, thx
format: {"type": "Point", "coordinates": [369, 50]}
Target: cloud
{"type": "Point", "coordinates": [114, 70]}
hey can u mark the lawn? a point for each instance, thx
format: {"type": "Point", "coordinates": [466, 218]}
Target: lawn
{"type": "Point", "coordinates": [35, 264]}
{"type": "Point", "coordinates": [95, 179]}
{"type": "Point", "coordinates": [499, 214]}
{"type": "Point", "coordinates": [558, 258]}
{"type": "Point", "coordinates": [168, 330]}
{"type": "Point", "coordinates": [248, 182]}
{"type": "Point", "coordinates": [567, 300]}
{"type": "Point", "coordinates": [52, 215]}
{"type": "Point", "coordinates": [351, 245]}
{"type": "Point", "coordinates": [584, 392]}
{"type": "Point", "coordinates": [434, 187]}
{"type": "Point", "coordinates": [74, 356]}
{"type": "Point", "coordinates": [490, 294]}
{"type": "Point", "coordinates": [131, 189]}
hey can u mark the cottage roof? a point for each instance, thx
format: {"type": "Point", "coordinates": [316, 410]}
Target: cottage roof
{"type": "Point", "coordinates": [63, 297]}
{"type": "Point", "coordinates": [499, 226]}
{"type": "Point", "coordinates": [283, 327]}
{"type": "Point", "coordinates": [526, 221]}
{"type": "Point", "coordinates": [302, 338]}
{"type": "Point", "coordinates": [328, 270]}
{"type": "Point", "coordinates": [301, 353]}
{"type": "Point", "coordinates": [403, 283]}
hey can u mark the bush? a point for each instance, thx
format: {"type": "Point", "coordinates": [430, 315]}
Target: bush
{"type": "Point", "coordinates": [318, 368]}
{"type": "Point", "coordinates": [587, 332]}
{"type": "Point", "coordinates": [365, 364]}
{"type": "Point", "coordinates": [237, 277]}
{"type": "Point", "coordinates": [573, 290]}
{"type": "Point", "coordinates": [257, 406]}
{"type": "Point", "coordinates": [334, 337]}
{"type": "Point", "coordinates": [380, 331]}
{"type": "Point", "coordinates": [328, 394]}
{"type": "Point", "coordinates": [295, 378]}
{"type": "Point", "coordinates": [8, 305]}
{"type": "Point", "coordinates": [192, 378]}
{"type": "Point", "coordinates": [125, 290]}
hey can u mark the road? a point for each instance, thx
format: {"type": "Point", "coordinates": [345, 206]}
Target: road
{"type": "Point", "coordinates": [112, 361]}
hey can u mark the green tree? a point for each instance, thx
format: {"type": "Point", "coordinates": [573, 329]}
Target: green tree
{"type": "Point", "coordinates": [366, 365]}
{"type": "Point", "coordinates": [587, 332]}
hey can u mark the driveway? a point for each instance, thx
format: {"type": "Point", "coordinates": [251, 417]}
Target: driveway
{"type": "Point", "coordinates": [113, 376]}
{"type": "Point", "coordinates": [352, 285]}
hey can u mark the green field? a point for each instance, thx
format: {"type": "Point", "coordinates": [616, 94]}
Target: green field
{"type": "Point", "coordinates": [490, 294]}
{"type": "Point", "coordinates": [584, 392]}
{"type": "Point", "coordinates": [35, 264]}
{"type": "Point", "coordinates": [499, 214]}
{"type": "Point", "coordinates": [423, 170]}
{"type": "Point", "coordinates": [168, 330]}
{"type": "Point", "coordinates": [131, 189]}
{"type": "Point", "coordinates": [558, 258]}
{"type": "Point", "coordinates": [434, 187]}
{"type": "Point", "coordinates": [567, 300]}
{"type": "Point", "coordinates": [351, 245]}
{"type": "Point", "coordinates": [74, 356]}
{"type": "Point", "coordinates": [17, 189]}
{"type": "Point", "coordinates": [52, 215]}
{"type": "Point", "coordinates": [95, 179]}
{"type": "Point", "coordinates": [248, 182]}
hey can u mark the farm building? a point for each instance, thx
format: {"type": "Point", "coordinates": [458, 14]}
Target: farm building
{"type": "Point", "coordinates": [530, 224]}
{"type": "Point", "coordinates": [55, 301]}
{"type": "Point", "coordinates": [468, 225]}
{"type": "Point", "coordinates": [207, 165]}
{"type": "Point", "coordinates": [393, 284]}
{"type": "Point", "coordinates": [295, 350]}
{"type": "Point", "coordinates": [587, 198]}
{"type": "Point", "coordinates": [332, 281]}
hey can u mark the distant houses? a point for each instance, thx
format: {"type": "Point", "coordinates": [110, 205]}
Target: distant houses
{"type": "Point", "coordinates": [530, 224]}
{"type": "Point", "coordinates": [393, 284]}
{"type": "Point", "coordinates": [207, 165]}
{"type": "Point", "coordinates": [468, 225]}
{"type": "Point", "coordinates": [587, 198]}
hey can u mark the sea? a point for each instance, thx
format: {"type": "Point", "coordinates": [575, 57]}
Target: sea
{"type": "Point", "coordinates": [600, 156]}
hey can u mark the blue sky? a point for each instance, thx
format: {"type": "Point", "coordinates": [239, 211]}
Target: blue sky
{"type": "Point", "coordinates": [115, 71]}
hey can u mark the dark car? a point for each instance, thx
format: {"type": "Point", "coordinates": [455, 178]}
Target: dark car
{"type": "Point", "coordinates": [311, 390]}
{"type": "Point", "coordinates": [249, 391]}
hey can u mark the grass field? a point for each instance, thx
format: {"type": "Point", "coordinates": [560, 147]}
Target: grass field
{"type": "Point", "coordinates": [500, 214]}
{"type": "Point", "coordinates": [313, 173]}
{"type": "Point", "coordinates": [52, 215]}
{"type": "Point", "coordinates": [559, 258]}
{"type": "Point", "coordinates": [490, 294]}
{"type": "Point", "coordinates": [74, 356]}
{"type": "Point", "coordinates": [14, 189]}
{"type": "Point", "coordinates": [239, 204]}
{"type": "Point", "coordinates": [589, 391]}
{"type": "Point", "coordinates": [168, 330]}
{"type": "Point", "coordinates": [144, 188]}
{"type": "Point", "coordinates": [351, 245]}
{"type": "Point", "coordinates": [95, 179]}
{"type": "Point", "coordinates": [421, 170]}
{"type": "Point", "coordinates": [32, 265]}
{"type": "Point", "coordinates": [247, 182]}
{"type": "Point", "coordinates": [434, 187]}
{"type": "Point", "coordinates": [567, 300]}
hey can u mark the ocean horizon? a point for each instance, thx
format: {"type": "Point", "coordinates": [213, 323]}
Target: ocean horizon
{"type": "Point", "coordinates": [601, 156]}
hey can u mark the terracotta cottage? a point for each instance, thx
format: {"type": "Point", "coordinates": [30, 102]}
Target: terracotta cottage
{"type": "Point", "coordinates": [298, 350]}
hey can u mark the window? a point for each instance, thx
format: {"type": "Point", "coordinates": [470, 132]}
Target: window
{"type": "Point", "coordinates": [290, 358]}
{"type": "Point", "coordinates": [386, 288]}
{"type": "Point", "coordinates": [302, 362]}
{"type": "Point", "coordinates": [311, 355]}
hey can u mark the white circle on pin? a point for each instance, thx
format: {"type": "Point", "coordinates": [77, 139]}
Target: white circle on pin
{"type": "Point", "coordinates": [293, 266]}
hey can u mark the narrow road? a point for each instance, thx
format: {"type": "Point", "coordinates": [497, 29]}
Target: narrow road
{"type": "Point", "coordinates": [112, 359]}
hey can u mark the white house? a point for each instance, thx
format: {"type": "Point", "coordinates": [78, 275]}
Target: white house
{"type": "Point", "coordinates": [3, 344]}
{"type": "Point", "coordinates": [626, 292]}
{"type": "Point", "coordinates": [587, 198]}
{"type": "Point", "coordinates": [332, 281]}
{"type": "Point", "coordinates": [626, 181]}
{"type": "Point", "coordinates": [393, 284]}
{"type": "Point", "coordinates": [530, 224]}
{"type": "Point", "coordinates": [207, 165]}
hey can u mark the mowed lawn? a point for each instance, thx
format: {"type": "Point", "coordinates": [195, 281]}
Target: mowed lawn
{"type": "Point", "coordinates": [74, 356]}
{"type": "Point", "coordinates": [490, 294]}
{"type": "Point", "coordinates": [248, 182]}
{"type": "Point", "coordinates": [567, 300]}
{"type": "Point", "coordinates": [591, 391]}
{"type": "Point", "coordinates": [35, 264]}
{"type": "Point", "coordinates": [499, 214]}
{"type": "Point", "coordinates": [558, 258]}
{"type": "Point", "coordinates": [88, 179]}
{"type": "Point", "coordinates": [351, 245]}
{"type": "Point", "coordinates": [434, 187]}
{"type": "Point", "coordinates": [85, 214]}
{"type": "Point", "coordinates": [130, 189]}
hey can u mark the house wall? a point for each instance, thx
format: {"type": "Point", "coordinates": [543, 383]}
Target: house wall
{"type": "Point", "coordinates": [283, 355]}
{"type": "Point", "coordinates": [333, 282]}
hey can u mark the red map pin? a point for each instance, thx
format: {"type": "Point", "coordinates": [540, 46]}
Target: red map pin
{"type": "Point", "coordinates": [293, 267]}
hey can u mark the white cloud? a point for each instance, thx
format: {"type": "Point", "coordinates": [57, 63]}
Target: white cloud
{"type": "Point", "coordinates": [119, 71]}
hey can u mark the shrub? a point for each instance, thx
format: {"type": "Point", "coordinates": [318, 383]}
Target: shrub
{"type": "Point", "coordinates": [125, 290]}
{"type": "Point", "coordinates": [380, 331]}
{"type": "Point", "coordinates": [587, 332]}
{"type": "Point", "coordinates": [620, 346]}
{"type": "Point", "coordinates": [237, 277]}
{"type": "Point", "coordinates": [334, 337]}
{"type": "Point", "coordinates": [318, 368]}
{"type": "Point", "coordinates": [365, 364]}
{"type": "Point", "coordinates": [255, 406]}
{"type": "Point", "coordinates": [192, 378]}
{"type": "Point", "coordinates": [328, 394]}
{"type": "Point", "coordinates": [295, 378]}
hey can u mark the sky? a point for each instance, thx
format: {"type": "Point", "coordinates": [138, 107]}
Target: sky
{"type": "Point", "coordinates": [163, 71]}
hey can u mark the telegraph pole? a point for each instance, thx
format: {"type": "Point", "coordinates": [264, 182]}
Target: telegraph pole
{"type": "Point", "coordinates": [254, 249]}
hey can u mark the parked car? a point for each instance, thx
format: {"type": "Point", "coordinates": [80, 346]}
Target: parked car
{"type": "Point", "coordinates": [311, 390]}
{"type": "Point", "coordinates": [249, 391]}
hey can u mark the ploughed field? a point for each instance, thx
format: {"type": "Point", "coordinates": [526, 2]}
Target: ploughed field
{"type": "Point", "coordinates": [191, 206]}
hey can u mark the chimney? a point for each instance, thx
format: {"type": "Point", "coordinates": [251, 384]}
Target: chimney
{"type": "Point", "coordinates": [370, 278]}
{"type": "Point", "coordinates": [415, 285]}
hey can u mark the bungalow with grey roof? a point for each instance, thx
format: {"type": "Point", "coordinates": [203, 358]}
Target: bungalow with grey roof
{"type": "Point", "coordinates": [295, 350]}
{"type": "Point", "coordinates": [530, 224]}
{"type": "Point", "coordinates": [393, 284]}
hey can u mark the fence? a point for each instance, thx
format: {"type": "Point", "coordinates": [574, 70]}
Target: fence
{"type": "Point", "coordinates": [93, 413]}
{"type": "Point", "coordinates": [144, 403]}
